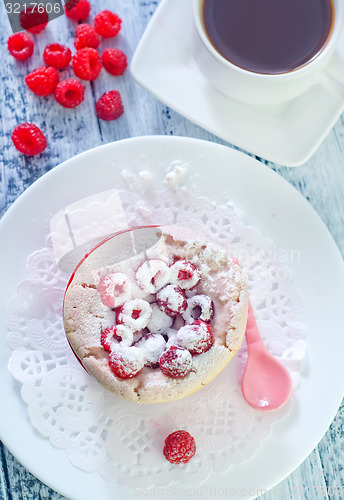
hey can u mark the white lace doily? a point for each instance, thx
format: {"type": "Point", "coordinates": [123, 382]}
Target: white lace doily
{"type": "Point", "coordinates": [121, 440]}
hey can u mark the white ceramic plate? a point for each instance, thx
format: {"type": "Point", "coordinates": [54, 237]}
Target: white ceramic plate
{"type": "Point", "coordinates": [268, 202]}
{"type": "Point", "coordinates": [287, 133]}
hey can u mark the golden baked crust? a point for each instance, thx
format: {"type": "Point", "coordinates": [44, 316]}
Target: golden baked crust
{"type": "Point", "coordinates": [85, 316]}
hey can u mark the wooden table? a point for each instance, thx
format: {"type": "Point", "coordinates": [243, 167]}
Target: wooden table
{"type": "Point", "coordinates": [69, 132]}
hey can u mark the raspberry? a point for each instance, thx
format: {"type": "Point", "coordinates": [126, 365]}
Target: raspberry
{"type": "Point", "coordinates": [86, 36]}
{"type": "Point", "coordinates": [43, 80]}
{"type": "Point", "coordinates": [153, 345]}
{"type": "Point", "coordinates": [114, 289]}
{"type": "Point", "coordinates": [107, 337]}
{"type": "Point", "coordinates": [135, 314]}
{"type": "Point", "coordinates": [179, 447]}
{"type": "Point", "coordinates": [199, 307]}
{"type": "Point", "coordinates": [184, 274]}
{"type": "Point", "coordinates": [29, 139]}
{"type": "Point", "coordinates": [114, 61]}
{"type": "Point", "coordinates": [171, 300]}
{"type": "Point", "coordinates": [87, 64]}
{"type": "Point", "coordinates": [175, 362]}
{"type": "Point", "coordinates": [126, 362]}
{"type": "Point", "coordinates": [33, 20]}
{"type": "Point", "coordinates": [196, 338]}
{"type": "Point", "coordinates": [107, 24]}
{"type": "Point", "coordinates": [118, 333]}
{"type": "Point", "coordinates": [109, 106]}
{"type": "Point", "coordinates": [78, 10]}
{"type": "Point", "coordinates": [56, 55]}
{"type": "Point", "coordinates": [69, 93]}
{"type": "Point", "coordinates": [20, 46]}
{"type": "Point", "coordinates": [160, 321]}
{"type": "Point", "coordinates": [152, 275]}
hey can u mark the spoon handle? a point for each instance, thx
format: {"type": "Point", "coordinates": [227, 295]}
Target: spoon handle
{"type": "Point", "coordinates": [252, 331]}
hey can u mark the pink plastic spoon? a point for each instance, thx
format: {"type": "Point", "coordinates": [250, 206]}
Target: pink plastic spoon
{"type": "Point", "coordinates": [266, 384]}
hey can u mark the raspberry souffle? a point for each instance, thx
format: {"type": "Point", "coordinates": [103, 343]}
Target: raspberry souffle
{"type": "Point", "coordinates": [155, 313]}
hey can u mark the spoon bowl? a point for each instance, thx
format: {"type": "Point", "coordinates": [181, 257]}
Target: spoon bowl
{"type": "Point", "coordinates": [266, 383]}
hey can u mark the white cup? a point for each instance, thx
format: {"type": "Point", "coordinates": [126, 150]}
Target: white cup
{"type": "Point", "coordinates": [259, 88]}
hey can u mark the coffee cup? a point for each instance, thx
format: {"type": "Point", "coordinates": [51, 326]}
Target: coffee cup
{"type": "Point", "coordinates": [252, 80]}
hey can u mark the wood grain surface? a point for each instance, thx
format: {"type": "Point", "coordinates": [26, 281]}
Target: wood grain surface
{"type": "Point", "coordinates": [69, 132]}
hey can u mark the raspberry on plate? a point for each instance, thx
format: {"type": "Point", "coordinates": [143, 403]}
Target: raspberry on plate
{"type": "Point", "coordinates": [114, 61]}
{"type": "Point", "coordinates": [20, 46]}
{"type": "Point", "coordinates": [87, 64]}
{"type": "Point", "coordinates": [56, 55]}
{"type": "Point", "coordinates": [109, 106]}
{"type": "Point", "coordinates": [78, 10]}
{"type": "Point", "coordinates": [86, 36]}
{"type": "Point", "coordinates": [176, 362]}
{"type": "Point", "coordinates": [33, 20]}
{"type": "Point", "coordinates": [107, 24]}
{"type": "Point", "coordinates": [179, 447]}
{"type": "Point", "coordinates": [43, 80]}
{"type": "Point", "coordinates": [29, 139]}
{"type": "Point", "coordinates": [69, 93]}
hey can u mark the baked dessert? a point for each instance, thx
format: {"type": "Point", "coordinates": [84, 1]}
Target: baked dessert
{"type": "Point", "coordinates": [155, 313]}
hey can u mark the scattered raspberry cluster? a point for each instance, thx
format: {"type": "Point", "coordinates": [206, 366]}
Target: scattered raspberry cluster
{"type": "Point", "coordinates": [86, 62]}
{"type": "Point", "coordinates": [164, 332]}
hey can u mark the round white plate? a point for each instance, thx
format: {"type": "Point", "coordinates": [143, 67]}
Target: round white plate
{"type": "Point", "coordinates": [268, 202]}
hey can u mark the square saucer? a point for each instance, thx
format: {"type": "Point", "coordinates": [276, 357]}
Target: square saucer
{"type": "Point", "coordinates": [286, 133]}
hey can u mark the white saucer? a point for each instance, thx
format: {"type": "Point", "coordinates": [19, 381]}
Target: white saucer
{"type": "Point", "coordinates": [287, 133]}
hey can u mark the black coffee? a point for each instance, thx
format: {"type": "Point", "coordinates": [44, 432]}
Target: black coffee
{"type": "Point", "coordinates": [268, 36]}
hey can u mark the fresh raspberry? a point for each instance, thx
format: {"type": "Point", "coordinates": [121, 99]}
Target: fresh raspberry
{"type": "Point", "coordinates": [33, 20]}
{"type": "Point", "coordinates": [126, 362]}
{"type": "Point", "coordinates": [29, 139]}
{"type": "Point", "coordinates": [107, 24]}
{"type": "Point", "coordinates": [109, 106]}
{"type": "Point", "coordinates": [179, 447]}
{"type": "Point", "coordinates": [184, 274]}
{"type": "Point", "coordinates": [78, 10]}
{"type": "Point", "coordinates": [69, 93]}
{"type": "Point", "coordinates": [135, 314]}
{"type": "Point", "coordinates": [171, 299]}
{"type": "Point", "coordinates": [199, 307]}
{"type": "Point", "coordinates": [43, 80]}
{"type": "Point", "coordinates": [56, 55]}
{"type": "Point", "coordinates": [87, 64]}
{"type": "Point", "coordinates": [107, 337]}
{"type": "Point", "coordinates": [114, 289]}
{"type": "Point", "coordinates": [114, 61]}
{"type": "Point", "coordinates": [86, 36]}
{"type": "Point", "coordinates": [152, 275]}
{"type": "Point", "coordinates": [196, 338]}
{"type": "Point", "coordinates": [176, 362]}
{"type": "Point", "coordinates": [20, 46]}
{"type": "Point", "coordinates": [115, 334]}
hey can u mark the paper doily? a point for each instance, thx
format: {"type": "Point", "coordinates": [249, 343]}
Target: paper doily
{"type": "Point", "coordinates": [121, 440]}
